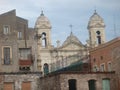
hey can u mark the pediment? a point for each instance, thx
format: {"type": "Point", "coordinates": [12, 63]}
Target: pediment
{"type": "Point", "coordinates": [72, 46]}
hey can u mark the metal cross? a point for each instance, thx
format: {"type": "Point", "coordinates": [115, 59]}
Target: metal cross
{"type": "Point", "coordinates": [71, 27]}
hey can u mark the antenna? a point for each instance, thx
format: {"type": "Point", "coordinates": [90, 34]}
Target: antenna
{"type": "Point", "coordinates": [95, 9]}
{"type": "Point", "coordinates": [114, 25]}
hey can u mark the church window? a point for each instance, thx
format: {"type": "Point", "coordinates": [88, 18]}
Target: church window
{"type": "Point", "coordinates": [98, 37]}
{"type": "Point", "coordinates": [44, 41]}
{"type": "Point", "coordinates": [19, 35]}
{"type": "Point", "coordinates": [6, 29]}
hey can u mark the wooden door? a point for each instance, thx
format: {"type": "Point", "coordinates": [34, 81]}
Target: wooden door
{"type": "Point", "coordinates": [8, 86]}
{"type": "Point", "coordinates": [26, 86]}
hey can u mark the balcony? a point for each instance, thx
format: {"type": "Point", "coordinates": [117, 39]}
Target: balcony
{"type": "Point", "coordinates": [27, 62]}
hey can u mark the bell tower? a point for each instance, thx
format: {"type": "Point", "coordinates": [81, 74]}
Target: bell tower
{"type": "Point", "coordinates": [43, 34]}
{"type": "Point", "coordinates": [96, 28]}
{"type": "Point", "coordinates": [43, 28]}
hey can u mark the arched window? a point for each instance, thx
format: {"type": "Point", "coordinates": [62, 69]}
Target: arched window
{"type": "Point", "coordinates": [44, 40]}
{"type": "Point", "coordinates": [92, 84]}
{"type": "Point", "coordinates": [98, 37]}
{"type": "Point", "coordinates": [72, 84]}
{"type": "Point", "coordinates": [46, 68]}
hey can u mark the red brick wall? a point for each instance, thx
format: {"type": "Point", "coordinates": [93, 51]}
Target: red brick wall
{"type": "Point", "coordinates": [105, 51]}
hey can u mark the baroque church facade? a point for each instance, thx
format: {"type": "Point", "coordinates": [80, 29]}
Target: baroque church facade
{"type": "Point", "coordinates": [29, 51]}
{"type": "Point", "coordinates": [72, 49]}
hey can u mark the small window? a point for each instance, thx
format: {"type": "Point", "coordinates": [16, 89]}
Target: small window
{"type": "Point", "coordinates": [92, 84]}
{"type": "Point", "coordinates": [25, 53]}
{"type": "Point", "coordinates": [101, 57]}
{"type": "Point", "coordinates": [94, 60]}
{"type": "Point", "coordinates": [109, 67]}
{"type": "Point", "coordinates": [6, 55]}
{"type": "Point", "coordinates": [19, 35]}
{"type": "Point", "coordinates": [102, 67]}
{"type": "Point", "coordinates": [6, 52]}
{"type": "Point", "coordinates": [72, 84]}
{"type": "Point", "coordinates": [6, 29]}
{"type": "Point", "coordinates": [95, 69]}
{"type": "Point", "coordinates": [98, 32]}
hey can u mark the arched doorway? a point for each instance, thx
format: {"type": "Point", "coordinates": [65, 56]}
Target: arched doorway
{"type": "Point", "coordinates": [46, 68]}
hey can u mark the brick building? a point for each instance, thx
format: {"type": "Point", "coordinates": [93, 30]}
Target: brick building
{"type": "Point", "coordinates": [106, 58]}
{"type": "Point", "coordinates": [103, 57]}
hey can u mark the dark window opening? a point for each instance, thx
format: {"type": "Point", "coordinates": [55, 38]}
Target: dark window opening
{"type": "Point", "coordinates": [24, 68]}
{"type": "Point", "coordinates": [72, 84]}
{"type": "Point", "coordinates": [6, 55]}
{"type": "Point", "coordinates": [98, 32]}
{"type": "Point", "coordinates": [92, 85]}
{"type": "Point", "coordinates": [101, 57]}
{"type": "Point", "coordinates": [94, 60]}
{"type": "Point", "coordinates": [98, 37]}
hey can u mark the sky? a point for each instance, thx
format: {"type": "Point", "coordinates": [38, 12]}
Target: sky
{"type": "Point", "coordinates": [63, 13]}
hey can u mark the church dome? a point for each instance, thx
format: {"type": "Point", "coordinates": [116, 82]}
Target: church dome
{"type": "Point", "coordinates": [96, 21]}
{"type": "Point", "coordinates": [42, 22]}
{"type": "Point", "coordinates": [71, 39]}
